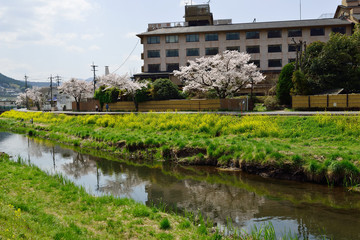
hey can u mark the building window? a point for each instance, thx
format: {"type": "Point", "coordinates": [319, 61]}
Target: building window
{"type": "Point", "coordinates": [275, 63]}
{"type": "Point", "coordinates": [252, 35]}
{"type": "Point", "coordinates": [274, 34]}
{"type": "Point", "coordinates": [172, 52]}
{"type": "Point", "coordinates": [233, 36]}
{"type": "Point", "coordinates": [294, 33]}
{"type": "Point", "coordinates": [170, 67]}
{"type": "Point", "coordinates": [154, 68]}
{"type": "Point", "coordinates": [153, 53]}
{"type": "Point", "coordinates": [341, 30]}
{"type": "Point", "coordinates": [211, 37]}
{"type": "Point", "coordinates": [234, 48]}
{"type": "Point", "coordinates": [256, 62]}
{"type": "Point", "coordinates": [292, 48]}
{"type": "Point", "coordinates": [192, 52]}
{"type": "Point", "coordinates": [172, 39]}
{"type": "Point", "coordinates": [317, 32]}
{"type": "Point", "coordinates": [211, 51]}
{"type": "Point", "coordinates": [253, 49]}
{"type": "Point", "coordinates": [192, 38]}
{"type": "Point", "coordinates": [274, 48]}
{"type": "Point", "coordinates": [153, 40]}
{"type": "Point", "coordinates": [291, 60]}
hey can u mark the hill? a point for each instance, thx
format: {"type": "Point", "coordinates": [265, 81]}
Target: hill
{"type": "Point", "coordinates": [10, 87]}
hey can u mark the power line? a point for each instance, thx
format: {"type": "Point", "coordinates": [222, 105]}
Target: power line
{"type": "Point", "coordinates": [127, 57]}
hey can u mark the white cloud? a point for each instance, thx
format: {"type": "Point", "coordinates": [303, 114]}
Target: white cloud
{"type": "Point", "coordinates": [66, 9]}
{"type": "Point", "coordinates": [41, 22]}
{"type": "Point", "coordinates": [73, 48]}
{"type": "Point", "coordinates": [91, 36]}
{"type": "Point", "coordinates": [131, 35]}
{"type": "Point", "coordinates": [2, 11]}
{"type": "Point", "coordinates": [11, 68]}
{"type": "Point", "coordinates": [94, 48]}
{"type": "Point", "coordinates": [135, 58]}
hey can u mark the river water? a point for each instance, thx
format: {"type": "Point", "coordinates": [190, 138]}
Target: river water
{"type": "Point", "coordinates": [309, 210]}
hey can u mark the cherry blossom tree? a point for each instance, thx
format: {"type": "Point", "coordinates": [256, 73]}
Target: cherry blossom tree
{"type": "Point", "coordinates": [36, 96]}
{"type": "Point", "coordinates": [31, 94]}
{"type": "Point", "coordinates": [76, 88]}
{"type": "Point", "coordinates": [21, 99]}
{"type": "Point", "coordinates": [123, 83]}
{"type": "Point", "coordinates": [225, 73]}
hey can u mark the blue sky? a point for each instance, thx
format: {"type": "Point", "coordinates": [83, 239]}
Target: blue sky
{"type": "Point", "coordinates": [44, 37]}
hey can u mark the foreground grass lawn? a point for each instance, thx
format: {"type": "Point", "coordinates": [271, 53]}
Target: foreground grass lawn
{"type": "Point", "coordinates": [321, 148]}
{"type": "Point", "coordinates": [34, 205]}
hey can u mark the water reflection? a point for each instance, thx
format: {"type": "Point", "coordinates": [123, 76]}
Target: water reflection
{"type": "Point", "coordinates": [308, 209]}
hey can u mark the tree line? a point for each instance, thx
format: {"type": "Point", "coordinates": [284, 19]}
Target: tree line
{"type": "Point", "coordinates": [322, 67]}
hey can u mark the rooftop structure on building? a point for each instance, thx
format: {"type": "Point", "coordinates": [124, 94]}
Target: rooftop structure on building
{"type": "Point", "coordinates": [167, 46]}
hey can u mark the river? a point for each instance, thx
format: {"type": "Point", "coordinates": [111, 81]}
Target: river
{"type": "Point", "coordinates": [312, 211]}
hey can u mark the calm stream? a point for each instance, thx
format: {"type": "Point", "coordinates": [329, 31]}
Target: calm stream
{"type": "Point", "coordinates": [313, 211]}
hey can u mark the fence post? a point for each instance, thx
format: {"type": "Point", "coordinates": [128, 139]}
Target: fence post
{"type": "Point", "coordinates": [347, 100]}
{"type": "Point", "coordinates": [309, 101]}
{"type": "Point", "coordinates": [327, 101]}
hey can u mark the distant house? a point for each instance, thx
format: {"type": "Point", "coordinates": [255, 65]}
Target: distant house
{"type": "Point", "coordinates": [6, 105]}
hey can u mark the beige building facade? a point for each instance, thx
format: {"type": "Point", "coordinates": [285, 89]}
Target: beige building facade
{"type": "Point", "coordinates": [271, 44]}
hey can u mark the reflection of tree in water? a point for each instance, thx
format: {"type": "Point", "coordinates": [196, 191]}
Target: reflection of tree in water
{"type": "Point", "coordinates": [34, 148]}
{"type": "Point", "coordinates": [216, 201]}
{"type": "Point", "coordinates": [123, 185]}
{"type": "Point", "coordinates": [80, 166]}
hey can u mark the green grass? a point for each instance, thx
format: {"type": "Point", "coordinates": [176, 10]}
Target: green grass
{"type": "Point", "coordinates": [34, 205]}
{"type": "Point", "coordinates": [325, 148]}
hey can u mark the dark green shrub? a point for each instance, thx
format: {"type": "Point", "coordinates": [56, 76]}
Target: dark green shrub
{"type": "Point", "coordinates": [164, 89]}
{"type": "Point", "coordinates": [143, 94]}
{"type": "Point", "coordinates": [165, 224]}
{"type": "Point", "coordinates": [106, 96]}
{"type": "Point", "coordinates": [285, 84]}
{"type": "Point", "coordinates": [300, 84]}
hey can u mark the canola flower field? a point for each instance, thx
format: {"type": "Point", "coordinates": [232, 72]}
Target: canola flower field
{"type": "Point", "coordinates": [321, 148]}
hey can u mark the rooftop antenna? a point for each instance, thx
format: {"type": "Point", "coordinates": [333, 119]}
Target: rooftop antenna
{"type": "Point", "coordinates": [300, 9]}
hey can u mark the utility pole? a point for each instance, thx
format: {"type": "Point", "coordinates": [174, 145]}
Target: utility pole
{"type": "Point", "coordinates": [26, 98]}
{"type": "Point", "coordinates": [51, 95]}
{"type": "Point", "coordinates": [94, 70]}
{"type": "Point", "coordinates": [58, 79]}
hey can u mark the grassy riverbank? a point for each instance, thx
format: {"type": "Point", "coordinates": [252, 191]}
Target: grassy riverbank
{"type": "Point", "coordinates": [34, 205]}
{"type": "Point", "coordinates": [321, 148]}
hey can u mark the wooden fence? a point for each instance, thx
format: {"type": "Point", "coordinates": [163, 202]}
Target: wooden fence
{"type": "Point", "coordinates": [341, 101]}
{"type": "Point", "coordinates": [88, 106]}
{"type": "Point", "coordinates": [182, 105]}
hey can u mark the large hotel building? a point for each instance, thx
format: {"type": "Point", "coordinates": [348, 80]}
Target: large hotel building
{"type": "Point", "coordinates": [167, 46]}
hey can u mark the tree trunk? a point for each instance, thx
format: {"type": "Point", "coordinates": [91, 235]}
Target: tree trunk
{"type": "Point", "coordinates": [136, 104]}
{"type": "Point", "coordinates": [78, 106]}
